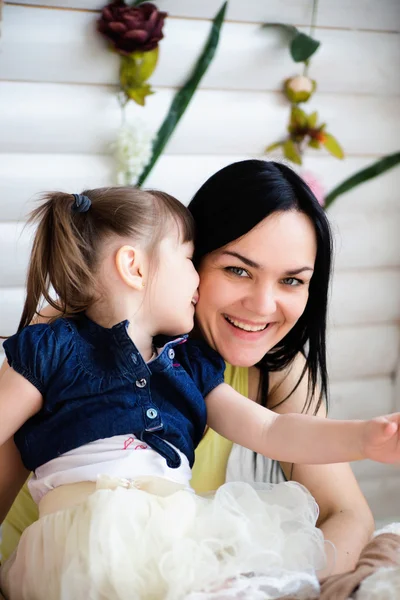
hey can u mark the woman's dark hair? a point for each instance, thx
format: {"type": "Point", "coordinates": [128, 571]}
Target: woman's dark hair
{"type": "Point", "coordinates": [229, 205]}
{"type": "Point", "coordinates": [65, 252]}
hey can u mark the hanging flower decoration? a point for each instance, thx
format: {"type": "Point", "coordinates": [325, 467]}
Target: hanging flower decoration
{"type": "Point", "coordinates": [303, 129]}
{"type": "Point", "coordinates": [133, 151]}
{"type": "Point", "coordinates": [134, 33]}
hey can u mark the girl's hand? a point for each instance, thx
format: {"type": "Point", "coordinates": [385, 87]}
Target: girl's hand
{"type": "Point", "coordinates": [381, 440]}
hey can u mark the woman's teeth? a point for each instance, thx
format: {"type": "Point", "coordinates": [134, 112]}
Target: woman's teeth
{"type": "Point", "coordinates": [246, 326]}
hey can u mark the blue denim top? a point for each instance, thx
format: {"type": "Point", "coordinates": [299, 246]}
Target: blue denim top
{"type": "Point", "coordinates": [96, 385]}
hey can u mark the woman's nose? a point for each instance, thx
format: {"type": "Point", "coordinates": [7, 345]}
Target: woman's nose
{"type": "Point", "coordinates": [262, 301]}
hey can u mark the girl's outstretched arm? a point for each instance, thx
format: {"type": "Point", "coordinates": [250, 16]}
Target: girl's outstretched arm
{"type": "Point", "coordinates": [300, 438]}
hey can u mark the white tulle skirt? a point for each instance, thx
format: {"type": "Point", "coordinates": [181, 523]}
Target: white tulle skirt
{"type": "Point", "coordinates": [244, 542]}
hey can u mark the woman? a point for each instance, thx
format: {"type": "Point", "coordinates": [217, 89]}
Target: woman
{"type": "Point", "coordinates": [263, 253]}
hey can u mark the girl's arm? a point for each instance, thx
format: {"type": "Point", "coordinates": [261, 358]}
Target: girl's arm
{"type": "Point", "coordinates": [19, 400]}
{"type": "Point", "coordinates": [12, 471]}
{"type": "Point", "coordinates": [301, 438]}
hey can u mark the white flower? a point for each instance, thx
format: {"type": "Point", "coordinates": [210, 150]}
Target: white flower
{"type": "Point", "coordinates": [300, 83]}
{"type": "Point", "coordinates": [133, 151]}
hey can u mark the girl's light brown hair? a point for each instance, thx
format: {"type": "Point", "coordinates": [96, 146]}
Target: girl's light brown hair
{"type": "Point", "coordinates": [66, 246]}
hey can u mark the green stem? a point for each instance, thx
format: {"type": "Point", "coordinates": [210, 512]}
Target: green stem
{"type": "Point", "coordinates": [183, 97]}
{"type": "Point", "coordinates": [380, 166]}
{"type": "Point", "coordinates": [312, 28]}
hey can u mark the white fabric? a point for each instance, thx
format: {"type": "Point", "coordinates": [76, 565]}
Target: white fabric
{"type": "Point", "coordinates": [246, 465]}
{"type": "Point", "coordinates": [127, 544]}
{"type": "Point", "coordinates": [120, 456]}
{"type": "Point", "coordinates": [382, 585]}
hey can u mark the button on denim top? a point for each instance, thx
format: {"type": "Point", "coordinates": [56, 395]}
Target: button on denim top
{"type": "Point", "coordinates": [96, 385]}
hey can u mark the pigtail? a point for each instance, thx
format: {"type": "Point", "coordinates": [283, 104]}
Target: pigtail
{"type": "Point", "coordinates": [60, 258]}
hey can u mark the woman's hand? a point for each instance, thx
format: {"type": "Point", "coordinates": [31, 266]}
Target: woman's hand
{"type": "Point", "coordinates": [344, 515]}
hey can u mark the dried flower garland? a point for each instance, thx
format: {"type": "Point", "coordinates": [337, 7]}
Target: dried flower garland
{"type": "Point", "coordinates": [134, 33]}
{"type": "Point", "coordinates": [303, 129]}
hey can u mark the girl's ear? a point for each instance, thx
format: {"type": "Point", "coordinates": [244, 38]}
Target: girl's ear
{"type": "Point", "coordinates": [130, 264]}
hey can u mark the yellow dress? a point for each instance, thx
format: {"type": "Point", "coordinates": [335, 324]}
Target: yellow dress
{"type": "Point", "coordinates": [208, 472]}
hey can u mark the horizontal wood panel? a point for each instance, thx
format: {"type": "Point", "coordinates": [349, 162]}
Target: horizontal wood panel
{"type": "Point", "coordinates": [15, 245]}
{"type": "Point", "coordinates": [365, 296]}
{"type": "Point", "coordinates": [84, 120]}
{"type": "Point", "coordinates": [22, 176]}
{"type": "Point", "coordinates": [363, 243]}
{"type": "Point", "coordinates": [367, 470]}
{"type": "Point", "coordinates": [363, 351]}
{"type": "Point", "coordinates": [249, 58]}
{"type": "Point", "coordinates": [363, 14]}
{"type": "Point", "coordinates": [361, 398]}
{"type": "Point", "coordinates": [366, 240]}
{"type": "Point", "coordinates": [381, 308]}
{"type": "Point", "coordinates": [383, 496]}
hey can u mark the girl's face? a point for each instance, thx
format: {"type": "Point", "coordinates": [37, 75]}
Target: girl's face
{"type": "Point", "coordinates": [173, 290]}
{"type": "Point", "coordinates": [253, 290]}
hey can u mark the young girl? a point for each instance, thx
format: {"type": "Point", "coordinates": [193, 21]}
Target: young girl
{"type": "Point", "coordinates": [107, 414]}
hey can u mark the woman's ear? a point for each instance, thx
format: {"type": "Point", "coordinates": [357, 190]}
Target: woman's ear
{"type": "Point", "coordinates": [130, 264]}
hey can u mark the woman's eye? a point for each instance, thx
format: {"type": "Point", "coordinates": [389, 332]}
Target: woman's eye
{"type": "Point", "coordinates": [238, 271]}
{"type": "Point", "coordinates": [292, 281]}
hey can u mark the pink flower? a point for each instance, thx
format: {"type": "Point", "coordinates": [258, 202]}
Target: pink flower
{"type": "Point", "coordinates": [315, 186]}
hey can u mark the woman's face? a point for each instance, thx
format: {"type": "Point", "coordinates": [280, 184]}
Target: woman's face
{"type": "Point", "coordinates": [253, 290]}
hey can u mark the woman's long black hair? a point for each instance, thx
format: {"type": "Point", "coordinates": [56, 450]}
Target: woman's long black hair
{"type": "Point", "coordinates": [229, 205]}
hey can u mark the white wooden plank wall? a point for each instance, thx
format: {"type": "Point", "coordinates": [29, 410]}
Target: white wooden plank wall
{"type": "Point", "coordinates": [59, 116]}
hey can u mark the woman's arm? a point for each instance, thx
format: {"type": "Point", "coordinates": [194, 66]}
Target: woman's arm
{"type": "Point", "coordinates": [345, 517]}
{"type": "Point", "coordinates": [12, 476]}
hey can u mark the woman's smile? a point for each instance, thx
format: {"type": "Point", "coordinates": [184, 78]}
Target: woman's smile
{"type": "Point", "coordinates": [245, 324]}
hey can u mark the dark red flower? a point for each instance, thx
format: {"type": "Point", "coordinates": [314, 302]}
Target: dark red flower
{"type": "Point", "coordinates": [132, 28]}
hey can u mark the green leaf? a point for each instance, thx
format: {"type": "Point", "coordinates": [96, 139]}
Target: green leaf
{"type": "Point", "coordinates": [139, 94]}
{"type": "Point", "coordinates": [291, 153]}
{"type": "Point", "coordinates": [185, 94]}
{"type": "Point", "coordinates": [137, 2]}
{"type": "Point", "coordinates": [273, 147]}
{"type": "Point", "coordinates": [312, 119]}
{"type": "Point", "coordinates": [303, 47]}
{"type": "Point", "coordinates": [332, 145]}
{"type": "Point", "coordinates": [136, 68]}
{"type": "Point", "coordinates": [374, 170]}
{"type": "Point", "coordinates": [298, 117]}
{"type": "Point", "coordinates": [314, 144]}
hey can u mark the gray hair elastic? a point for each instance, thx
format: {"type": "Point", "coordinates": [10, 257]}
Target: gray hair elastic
{"type": "Point", "coordinates": [82, 203]}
